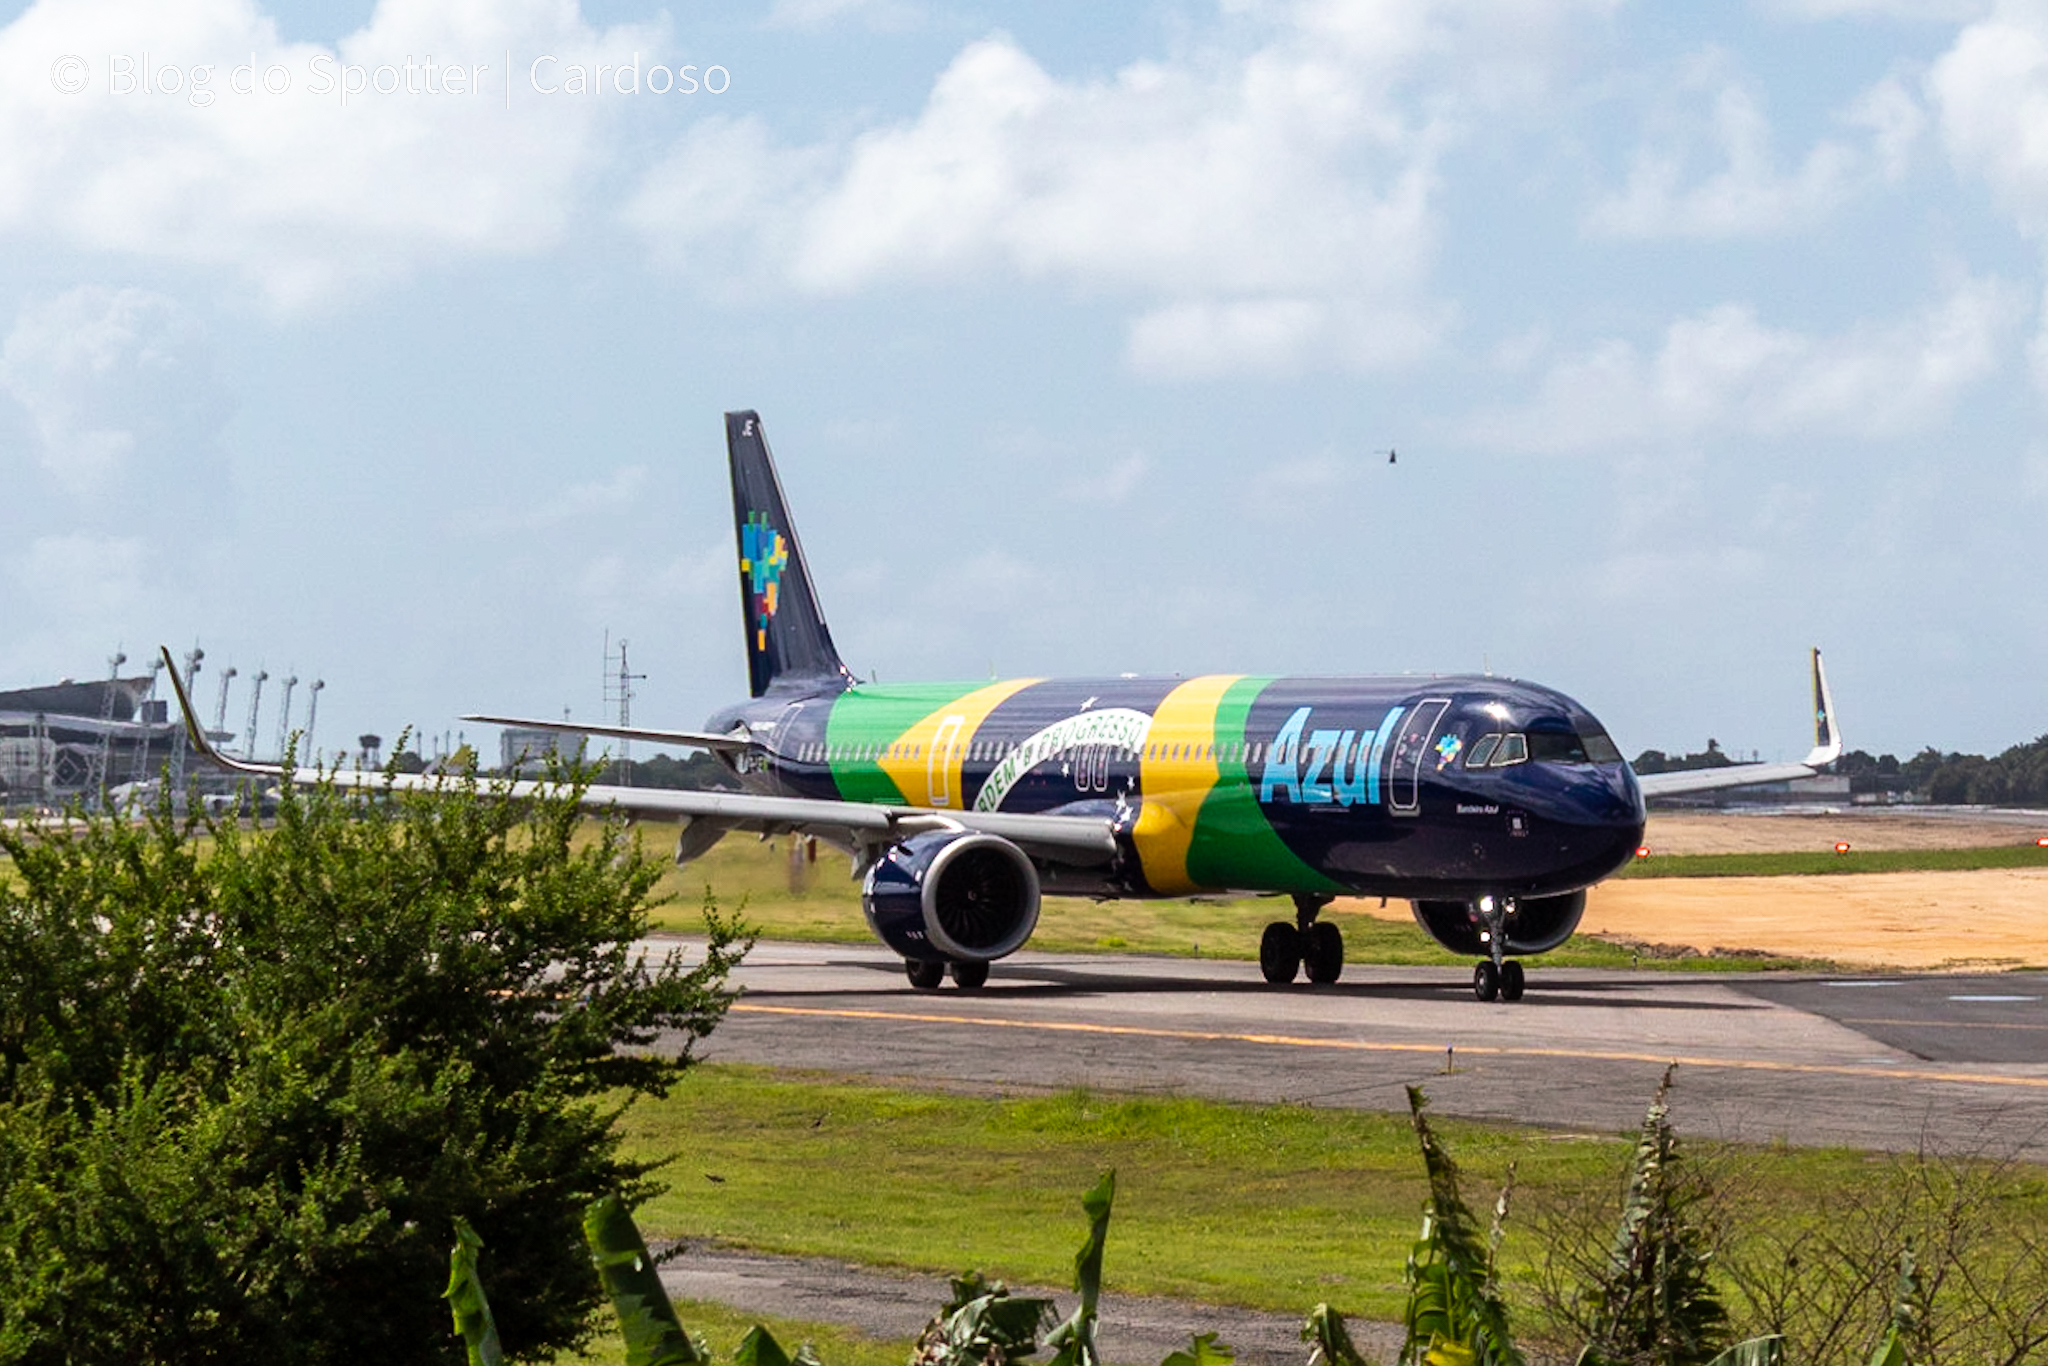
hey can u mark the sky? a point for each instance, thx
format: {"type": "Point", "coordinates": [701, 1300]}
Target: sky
{"type": "Point", "coordinates": [387, 344]}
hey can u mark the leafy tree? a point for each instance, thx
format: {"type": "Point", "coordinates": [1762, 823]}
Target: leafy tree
{"type": "Point", "coordinates": [248, 1079]}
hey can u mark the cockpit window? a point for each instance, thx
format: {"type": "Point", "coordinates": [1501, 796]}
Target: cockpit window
{"type": "Point", "coordinates": [1556, 747]}
{"type": "Point", "coordinates": [1599, 748]}
{"type": "Point", "coordinates": [1513, 750]}
{"type": "Point", "coordinates": [1482, 750]}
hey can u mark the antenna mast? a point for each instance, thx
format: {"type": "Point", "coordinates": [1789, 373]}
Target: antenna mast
{"type": "Point", "coordinates": [618, 688]}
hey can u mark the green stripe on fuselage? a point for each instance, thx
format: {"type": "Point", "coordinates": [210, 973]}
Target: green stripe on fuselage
{"type": "Point", "coordinates": [1234, 845]}
{"type": "Point", "coordinates": [865, 719]}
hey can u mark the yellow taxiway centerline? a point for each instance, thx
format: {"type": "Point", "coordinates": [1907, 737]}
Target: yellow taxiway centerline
{"type": "Point", "coordinates": [1362, 1046]}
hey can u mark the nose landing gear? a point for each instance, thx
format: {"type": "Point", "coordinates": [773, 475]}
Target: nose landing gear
{"type": "Point", "coordinates": [1309, 943]}
{"type": "Point", "coordinates": [1498, 976]}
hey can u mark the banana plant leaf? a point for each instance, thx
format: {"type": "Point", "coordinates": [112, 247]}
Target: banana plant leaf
{"type": "Point", "coordinates": [1202, 1350]}
{"type": "Point", "coordinates": [465, 1296]}
{"type": "Point", "coordinates": [1454, 1316]}
{"type": "Point", "coordinates": [983, 1324]}
{"type": "Point", "coordinates": [1330, 1340]}
{"type": "Point", "coordinates": [1073, 1342]}
{"type": "Point", "coordinates": [654, 1336]}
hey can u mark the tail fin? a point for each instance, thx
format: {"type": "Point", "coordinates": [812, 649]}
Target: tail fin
{"type": "Point", "coordinates": [788, 645]}
{"type": "Point", "coordinates": [1827, 740]}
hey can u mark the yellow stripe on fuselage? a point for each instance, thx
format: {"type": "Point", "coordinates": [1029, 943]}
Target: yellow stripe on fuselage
{"type": "Point", "coordinates": [925, 762]}
{"type": "Point", "coordinates": [1176, 775]}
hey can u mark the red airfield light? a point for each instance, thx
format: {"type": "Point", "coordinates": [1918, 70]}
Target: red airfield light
{"type": "Point", "coordinates": [1841, 846]}
{"type": "Point", "coordinates": [1643, 850]}
{"type": "Point", "coordinates": [2043, 841]}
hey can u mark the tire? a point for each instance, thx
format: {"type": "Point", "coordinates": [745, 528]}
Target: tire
{"type": "Point", "coordinates": [1486, 981]}
{"type": "Point", "coordinates": [969, 976]}
{"type": "Point", "coordinates": [925, 976]}
{"type": "Point", "coordinates": [1512, 982]}
{"type": "Point", "coordinates": [1280, 953]}
{"type": "Point", "coordinates": [1323, 954]}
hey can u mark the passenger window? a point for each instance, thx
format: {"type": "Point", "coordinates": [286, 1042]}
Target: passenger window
{"type": "Point", "coordinates": [1514, 749]}
{"type": "Point", "coordinates": [1482, 750]}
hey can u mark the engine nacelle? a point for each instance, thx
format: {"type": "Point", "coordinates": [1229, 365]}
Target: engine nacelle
{"type": "Point", "coordinates": [1537, 925]}
{"type": "Point", "coordinates": [952, 895]}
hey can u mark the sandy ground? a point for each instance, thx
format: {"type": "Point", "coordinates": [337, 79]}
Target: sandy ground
{"type": "Point", "coordinates": [1990, 919]}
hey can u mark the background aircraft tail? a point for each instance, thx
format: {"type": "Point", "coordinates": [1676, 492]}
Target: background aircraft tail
{"type": "Point", "coordinates": [788, 645]}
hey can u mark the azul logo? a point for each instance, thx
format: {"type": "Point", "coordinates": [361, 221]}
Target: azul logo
{"type": "Point", "coordinates": [763, 553]}
{"type": "Point", "coordinates": [1325, 767]}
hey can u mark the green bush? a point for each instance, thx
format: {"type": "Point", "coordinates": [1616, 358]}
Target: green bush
{"type": "Point", "coordinates": [247, 1079]}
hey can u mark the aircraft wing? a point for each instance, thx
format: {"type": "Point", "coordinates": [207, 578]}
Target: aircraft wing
{"type": "Point", "coordinates": [692, 739]}
{"type": "Point", "coordinates": [1827, 747]}
{"type": "Point", "coordinates": [1071, 840]}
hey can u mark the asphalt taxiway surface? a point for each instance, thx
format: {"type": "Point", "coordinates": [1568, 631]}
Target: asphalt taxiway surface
{"type": "Point", "coordinates": [1894, 1063]}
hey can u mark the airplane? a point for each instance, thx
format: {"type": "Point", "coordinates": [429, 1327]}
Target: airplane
{"type": "Point", "coordinates": [1489, 804]}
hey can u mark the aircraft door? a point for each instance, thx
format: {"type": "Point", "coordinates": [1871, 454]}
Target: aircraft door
{"type": "Point", "coordinates": [1407, 753]}
{"type": "Point", "coordinates": [944, 761]}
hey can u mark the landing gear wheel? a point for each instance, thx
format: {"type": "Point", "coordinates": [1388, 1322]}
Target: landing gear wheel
{"type": "Point", "coordinates": [969, 976]}
{"type": "Point", "coordinates": [1280, 953]}
{"type": "Point", "coordinates": [1511, 980]}
{"type": "Point", "coordinates": [1322, 952]}
{"type": "Point", "coordinates": [1486, 981]}
{"type": "Point", "coordinates": [923, 975]}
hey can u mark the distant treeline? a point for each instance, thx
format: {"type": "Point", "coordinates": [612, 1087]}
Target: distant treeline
{"type": "Point", "coordinates": [2018, 777]}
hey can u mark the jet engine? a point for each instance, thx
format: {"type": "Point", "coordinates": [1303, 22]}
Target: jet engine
{"type": "Point", "coordinates": [952, 895]}
{"type": "Point", "coordinates": [1536, 925]}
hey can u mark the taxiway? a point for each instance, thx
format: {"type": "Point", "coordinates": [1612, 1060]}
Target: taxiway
{"type": "Point", "coordinates": [1898, 1063]}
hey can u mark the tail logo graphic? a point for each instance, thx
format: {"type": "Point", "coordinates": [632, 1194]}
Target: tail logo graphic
{"type": "Point", "coordinates": [763, 553]}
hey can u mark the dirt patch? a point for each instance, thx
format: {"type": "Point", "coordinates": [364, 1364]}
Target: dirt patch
{"type": "Point", "coordinates": [1907, 920]}
{"type": "Point", "coordinates": [1986, 919]}
{"type": "Point", "coordinates": [1715, 832]}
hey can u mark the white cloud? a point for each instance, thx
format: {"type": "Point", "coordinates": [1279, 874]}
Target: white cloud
{"type": "Point", "coordinates": [1263, 199]}
{"type": "Point", "coordinates": [1725, 372]}
{"type": "Point", "coordinates": [302, 193]}
{"type": "Point", "coordinates": [1750, 192]}
{"type": "Point", "coordinates": [82, 578]}
{"type": "Point", "coordinates": [119, 392]}
{"type": "Point", "coordinates": [1934, 11]}
{"type": "Point", "coordinates": [1990, 93]}
{"type": "Point", "coordinates": [816, 15]}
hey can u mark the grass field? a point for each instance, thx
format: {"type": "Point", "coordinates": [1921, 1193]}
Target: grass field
{"type": "Point", "coordinates": [1829, 863]}
{"type": "Point", "coordinates": [1272, 1207]}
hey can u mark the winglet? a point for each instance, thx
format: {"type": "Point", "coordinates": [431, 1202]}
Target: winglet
{"type": "Point", "coordinates": [1827, 740]}
{"type": "Point", "coordinates": [197, 733]}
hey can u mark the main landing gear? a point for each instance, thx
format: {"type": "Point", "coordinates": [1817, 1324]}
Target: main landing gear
{"type": "Point", "coordinates": [928, 975]}
{"type": "Point", "coordinates": [1497, 976]}
{"type": "Point", "coordinates": [1309, 943]}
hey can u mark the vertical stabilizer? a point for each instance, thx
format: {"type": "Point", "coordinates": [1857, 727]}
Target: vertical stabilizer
{"type": "Point", "coordinates": [1827, 740]}
{"type": "Point", "coordinates": [788, 645]}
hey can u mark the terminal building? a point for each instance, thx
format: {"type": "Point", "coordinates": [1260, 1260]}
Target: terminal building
{"type": "Point", "coordinates": [61, 742]}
